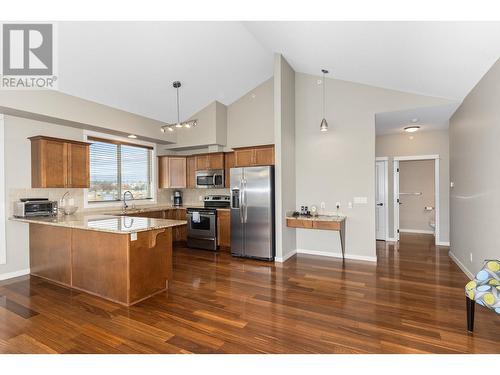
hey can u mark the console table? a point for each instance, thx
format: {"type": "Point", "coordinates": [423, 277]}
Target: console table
{"type": "Point", "coordinates": [324, 222]}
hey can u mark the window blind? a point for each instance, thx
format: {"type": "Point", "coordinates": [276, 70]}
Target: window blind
{"type": "Point", "coordinates": [116, 167]}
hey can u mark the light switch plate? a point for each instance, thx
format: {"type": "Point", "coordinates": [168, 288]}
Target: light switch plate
{"type": "Point", "coordinates": [133, 236]}
{"type": "Point", "coordinates": [360, 200]}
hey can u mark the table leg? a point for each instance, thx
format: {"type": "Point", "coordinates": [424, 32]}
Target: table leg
{"type": "Point", "coordinates": [342, 238]}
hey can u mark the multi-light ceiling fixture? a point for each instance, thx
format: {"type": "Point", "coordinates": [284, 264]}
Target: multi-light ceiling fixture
{"type": "Point", "coordinates": [185, 124]}
{"type": "Point", "coordinates": [324, 124]}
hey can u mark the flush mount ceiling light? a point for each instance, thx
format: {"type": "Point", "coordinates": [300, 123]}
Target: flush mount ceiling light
{"type": "Point", "coordinates": [324, 124]}
{"type": "Point", "coordinates": [411, 129]}
{"type": "Point", "coordinates": [185, 124]}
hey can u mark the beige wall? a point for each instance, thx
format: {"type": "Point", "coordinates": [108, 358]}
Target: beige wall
{"type": "Point", "coordinates": [63, 109]}
{"type": "Point", "coordinates": [474, 170]}
{"type": "Point", "coordinates": [284, 117]}
{"type": "Point", "coordinates": [416, 176]}
{"type": "Point", "coordinates": [425, 143]}
{"type": "Point", "coordinates": [250, 119]}
{"type": "Point", "coordinates": [338, 165]}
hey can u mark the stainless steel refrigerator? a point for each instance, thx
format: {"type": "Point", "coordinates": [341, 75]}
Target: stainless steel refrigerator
{"type": "Point", "coordinates": [252, 212]}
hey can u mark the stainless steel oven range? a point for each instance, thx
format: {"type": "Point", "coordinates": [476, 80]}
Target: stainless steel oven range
{"type": "Point", "coordinates": [202, 228]}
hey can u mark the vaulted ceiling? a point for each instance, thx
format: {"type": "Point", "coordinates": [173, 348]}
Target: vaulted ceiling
{"type": "Point", "coordinates": [131, 65]}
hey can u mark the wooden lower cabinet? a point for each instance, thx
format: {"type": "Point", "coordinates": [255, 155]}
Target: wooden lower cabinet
{"type": "Point", "coordinates": [179, 233]}
{"type": "Point", "coordinates": [109, 265]}
{"type": "Point", "coordinates": [224, 229]}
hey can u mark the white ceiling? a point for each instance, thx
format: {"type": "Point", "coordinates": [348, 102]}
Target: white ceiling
{"type": "Point", "coordinates": [444, 59]}
{"type": "Point", "coordinates": [429, 118]}
{"type": "Point", "coordinates": [131, 65]}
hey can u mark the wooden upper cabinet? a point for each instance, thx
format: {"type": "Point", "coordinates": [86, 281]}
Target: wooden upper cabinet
{"type": "Point", "coordinates": [228, 164]}
{"type": "Point", "coordinates": [254, 156]}
{"type": "Point", "coordinates": [78, 165]}
{"type": "Point", "coordinates": [59, 163]}
{"type": "Point", "coordinates": [202, 162]}
{"type": "Point", "coordinates": [191, 172]}
{"type": "Point", "coordinates": [210, 161]}
{"type": "Point", "coordinates": [171, 172]}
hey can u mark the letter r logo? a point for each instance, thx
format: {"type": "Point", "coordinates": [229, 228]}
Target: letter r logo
{"type": "Point", "coordinates": [27, 49]}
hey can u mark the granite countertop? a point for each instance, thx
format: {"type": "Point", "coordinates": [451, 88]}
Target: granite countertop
{"type": "Point", "coordinates": [104, 223]}
{"type": "Point", "coordinates": [318, 218]}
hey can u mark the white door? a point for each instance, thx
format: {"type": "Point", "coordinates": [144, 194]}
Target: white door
{"type": "Point", "coordinates": [381, 199]}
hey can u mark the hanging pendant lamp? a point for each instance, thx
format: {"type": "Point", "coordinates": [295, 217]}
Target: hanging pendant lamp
{"type": "Point", "coordinates": [324, 124]}
{"type": "Point", "coordinates": [185, 124]}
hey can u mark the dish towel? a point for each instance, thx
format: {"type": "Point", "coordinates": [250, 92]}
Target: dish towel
{"type": "Point", "coordinates": [196, 217]}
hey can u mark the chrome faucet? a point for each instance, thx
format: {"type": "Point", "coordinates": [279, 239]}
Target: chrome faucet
{"type": "Point", "coordinates": [128, 192]}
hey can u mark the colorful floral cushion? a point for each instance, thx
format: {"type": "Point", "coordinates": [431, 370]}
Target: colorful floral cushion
{"type": "Point", "coordinates": [485, 288]}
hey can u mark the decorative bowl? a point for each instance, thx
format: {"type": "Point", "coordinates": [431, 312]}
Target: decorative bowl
{"type": "Point", "coordinates": [68, 210]}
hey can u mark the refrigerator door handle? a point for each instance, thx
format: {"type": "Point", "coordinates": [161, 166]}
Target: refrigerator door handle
{"type": "Point", "coordinates": [241, 201]}
{"type": "Point", "coordinates": [245, 199]}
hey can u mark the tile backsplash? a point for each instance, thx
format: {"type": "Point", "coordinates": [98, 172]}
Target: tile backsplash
{"type": "Point", "coordinates": [189, 196]}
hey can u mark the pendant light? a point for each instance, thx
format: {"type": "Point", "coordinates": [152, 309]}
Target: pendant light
{"type": "Point", "coordinates": [324, 124]}
{"type": "Point", "coordinates": [185, 124]}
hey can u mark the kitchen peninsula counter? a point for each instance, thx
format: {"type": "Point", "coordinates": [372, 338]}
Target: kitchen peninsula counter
{"type": "Point", "coordinates": [120, 258]}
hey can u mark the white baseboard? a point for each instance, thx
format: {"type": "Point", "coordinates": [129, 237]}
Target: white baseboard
{"type": "Point", "coordinates": [460, 265]}
{"type": "Point", "coordinates": [419, 231]}
{"type": "Point", "coordinates": [336, 255]}
{"type": "Point", "coordinates": [286, 257]}
{"type": "Point", "coordinates": [443, 243]}
{"type": "Point", "coordinates": [11, 275]}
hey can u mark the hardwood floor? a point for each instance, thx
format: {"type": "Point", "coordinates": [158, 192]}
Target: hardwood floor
{"type": "Point", "coordinates": [411, 301]}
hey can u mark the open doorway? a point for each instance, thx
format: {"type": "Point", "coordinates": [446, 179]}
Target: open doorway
{"type": "Point", "coordinates": [416, 195]}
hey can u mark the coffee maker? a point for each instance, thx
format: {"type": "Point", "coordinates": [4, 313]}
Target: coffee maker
{"type": "Point", "coordinates": [177, 198]}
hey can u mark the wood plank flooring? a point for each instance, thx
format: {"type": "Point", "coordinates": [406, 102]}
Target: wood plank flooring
{"type": "Point", "coordinates": [411, 301]}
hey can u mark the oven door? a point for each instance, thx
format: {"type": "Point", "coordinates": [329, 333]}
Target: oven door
{"type": "Point", "coordinates": [205, 228]}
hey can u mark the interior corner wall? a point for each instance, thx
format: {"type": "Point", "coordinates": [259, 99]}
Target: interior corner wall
{"type": "Point", "coordinates": [338, 165]}
{"type": "Point", "coordinates": [424, 143]}
{"type": "Point", "coordinates": [474, 171]}
{"type": "Point", "coordinates": [250, 119]}
{"type": "Point", "coordinates": [284, 131]}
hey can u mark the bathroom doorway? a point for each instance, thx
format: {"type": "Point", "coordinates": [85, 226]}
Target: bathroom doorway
{"type": "Point", "coordinates": [416, 195]}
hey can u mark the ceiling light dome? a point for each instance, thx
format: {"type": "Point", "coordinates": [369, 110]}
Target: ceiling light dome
{"type": "Point", "coordinates": [412, 128]}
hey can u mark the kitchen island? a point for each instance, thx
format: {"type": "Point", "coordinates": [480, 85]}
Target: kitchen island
{"type": "Point", "coordinates": [122, 259]}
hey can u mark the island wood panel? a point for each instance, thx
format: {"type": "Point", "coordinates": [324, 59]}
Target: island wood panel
{"type": "Point", "coordinates": [150, 263]}
{"type": "Point", "coordinates": [50, 252]}
{"type": "Point", "coordinates": [100, 264]}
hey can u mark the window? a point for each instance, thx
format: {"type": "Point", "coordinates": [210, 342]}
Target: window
{"type": "Point", "coordinates": [116, 167]}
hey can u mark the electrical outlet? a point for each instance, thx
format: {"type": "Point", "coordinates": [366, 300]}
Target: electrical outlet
{"type": "Point", "coordinates": [172, 197]}
{"type": "Point", "coordinates": [200, 198]}
{"type": "Point", "coordinates": [337, 205]}
{"type": "Point", "coordinates": [323, 205]}
{"type": "Point", "coordinates": [471, 257]}
{"type": "Point", "coordinates": [349, 204]}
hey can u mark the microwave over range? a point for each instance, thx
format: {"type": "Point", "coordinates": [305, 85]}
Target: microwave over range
{"type": "Point", "coordinates": [211, 179]}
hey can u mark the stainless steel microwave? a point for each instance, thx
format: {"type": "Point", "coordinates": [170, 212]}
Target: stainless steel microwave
{"type": "Point", "coordinates": [213, 179]}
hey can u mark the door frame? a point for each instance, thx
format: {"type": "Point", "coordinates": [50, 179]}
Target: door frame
{"type": "Point", "coordinates": [385, 160]}
{"type": "Point", "coordinates": [395, 163]}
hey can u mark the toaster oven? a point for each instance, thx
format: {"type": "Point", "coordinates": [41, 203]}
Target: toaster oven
{"type": "Point", "coordinates": [32, 207]}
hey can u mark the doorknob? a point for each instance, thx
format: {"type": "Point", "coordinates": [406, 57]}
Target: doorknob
{"type": "Point", "coordinates": [380, 204]}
